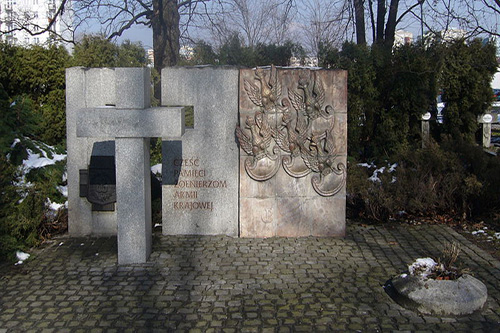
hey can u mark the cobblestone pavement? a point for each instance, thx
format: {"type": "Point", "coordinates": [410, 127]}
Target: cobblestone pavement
{"type": "Point", "coordinates": [203, 284]}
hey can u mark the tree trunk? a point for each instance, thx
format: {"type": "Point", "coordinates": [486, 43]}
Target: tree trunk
{"type": "Point", "coordinates": [372, 18]}
{"type": "Point", "coordinates": [390, 28]}
{"type": "Point", "coordinates": [166, 34]}
{"type": "Point", "coordinates": [381, 10]}
{"type": "Point", "coordinates": [359, 13]}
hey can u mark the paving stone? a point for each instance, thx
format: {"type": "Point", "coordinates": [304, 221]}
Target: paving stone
{"type": "Point", "coordinates": [215, 283]}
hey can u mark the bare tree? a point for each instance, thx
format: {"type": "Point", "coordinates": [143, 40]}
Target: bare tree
{"type": "Point", "coordinates": [254, 21]}
{"type": "Point", "coordinates": [472, 17]}
{"type": "Point", "coordinates": [468, 18]}
{"type": "Point", "coordinates": [168, 19]}
{"type": "Point", "coordinates": [384, 17]}
{"type": "Point", "coordinates": [359, 17]}
{"type": "Point", "coordinates": [324, 21]}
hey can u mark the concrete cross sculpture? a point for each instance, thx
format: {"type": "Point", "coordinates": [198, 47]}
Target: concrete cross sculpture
{"type": "Point", "coordinates": [114, 104]}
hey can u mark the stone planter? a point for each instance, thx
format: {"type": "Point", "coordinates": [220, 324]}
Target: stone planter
{"type": "Point", "coordinates": [439, 297]}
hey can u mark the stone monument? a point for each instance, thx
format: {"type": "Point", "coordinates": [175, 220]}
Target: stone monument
{"type": "Point", "coordinates": [114, 105]}
{"type": "Point", "coordinates": [266, 156]}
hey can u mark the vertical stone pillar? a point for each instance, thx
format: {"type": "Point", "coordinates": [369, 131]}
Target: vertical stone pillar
{"type": "Point", "coordinates": [486, 135]}
{"type": "Point", "coordinates": [425, 129]}
{"type": "Point", "coordinates": [133, 177]}
{"type": "Point", "coordinates": [133, 197]}
{"type": "Point", "coordinates": [486, 120]}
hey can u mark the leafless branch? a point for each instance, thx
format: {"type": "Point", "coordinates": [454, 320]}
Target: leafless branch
{"type": "Point", "coordinates": [36, 29]}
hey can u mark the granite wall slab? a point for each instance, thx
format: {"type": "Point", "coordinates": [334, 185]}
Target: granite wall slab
{"type": "Point", "coordinates": [200, 172]}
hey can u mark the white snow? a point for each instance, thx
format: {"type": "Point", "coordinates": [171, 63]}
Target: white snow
{"type": "Point", "coordinates": [63, 190]}
{"type": "Point", "coordinates": [54, 207]}
{"type": "Point", "coordinates": [422, 267]}
{"type": "Point", "coordinates": [366, 165]}
{"type": "Point", "coordinates": [393, 167]}
{"type": "Point", "coordinates": [21, 257]}
{"type": "Point", "coordinates": [156, 169]}
{"type": "Point", "coordinates": [16, 141]}
{"type": "Point", "coordinates": [374, 177]}
{"type": "Point", "coordinates": [35, 161]}
{"type": "Point", "coordinates": [484, 232]}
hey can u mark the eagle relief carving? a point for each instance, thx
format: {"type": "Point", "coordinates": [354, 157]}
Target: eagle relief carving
{"type": "Point", "coordinates": [293, 127]}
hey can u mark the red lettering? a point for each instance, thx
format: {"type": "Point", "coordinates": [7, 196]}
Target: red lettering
{"type": "Point", "coordinates": [187, 162]}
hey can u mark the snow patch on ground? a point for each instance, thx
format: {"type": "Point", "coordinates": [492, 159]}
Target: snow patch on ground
{"type": "Point", "coordinates": [21, 257]}
{"type": "Point", "coordinates": [490, 235]}
{"type": "Point", "coordinates": [423, 267]}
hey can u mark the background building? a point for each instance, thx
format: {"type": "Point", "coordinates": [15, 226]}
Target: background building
{"type": "Point", "coordinates": [151, 57]}
{"type": "Point", "coordinates": [35, 16]}
{"type": "Point", "coordinates": [402, 37]}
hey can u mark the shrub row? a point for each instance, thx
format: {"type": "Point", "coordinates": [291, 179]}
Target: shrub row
{"type": "Point", "coordinates": [456, 180]}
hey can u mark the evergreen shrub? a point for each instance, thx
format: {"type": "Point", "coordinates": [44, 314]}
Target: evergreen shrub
{"type": "Point", "coordinates": [25, 219]}
{"type": "Point", "coordinates": [454, 181]}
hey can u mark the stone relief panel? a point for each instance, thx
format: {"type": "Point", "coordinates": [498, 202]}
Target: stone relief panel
{"type": "Point", "coordinates": [292, 136]}
{"type": "Point", "coordinates": [295, 120]}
